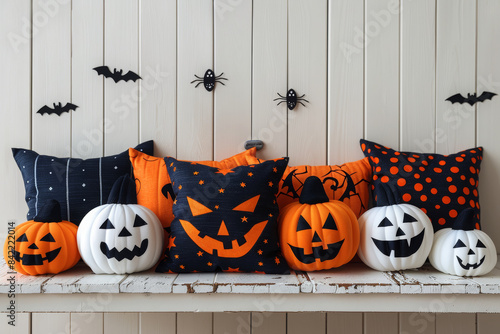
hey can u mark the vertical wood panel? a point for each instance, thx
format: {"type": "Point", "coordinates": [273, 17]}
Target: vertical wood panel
{"type": "Point", "coordinates": [51, 76]}
{"type": "Point", "coordinates": [455, 73]}
{"type": "Point", "coordinates": [15, 94]}
{"type": "Point", "coordinates": [269, 122]}
{"type": "Point", "coordinates": [344, 323]}
{"type": "Point", "coordinates": [121, 323]}
{"type": "Point", "coordinates": [381, 323]}
{"type": "Point", "coordinates": [307, 74]}
{"type": "Point", "coordinates": [22, 324]}
{"type": "Point", "coordinates": [233, 57]}
{"type": "Point", "coordinates": [306, 322]}
{"type": "Point", "coordinates": [268, 323]}
{"type": "Point", "coordinates": [227, 322]}
{"type": "Point", "coordinates": [382, 72]}
{"type": "Point", "coordinates": [418, 31]}
{"type": "Point", "coordinates": [157, 323]}
{"type": "Point", "coordinates": [417, 323]}
{"type": "Point", "coordinates": [87, 323]}
{"type": "Point", "coordinates": [455, 323]}
{"type": "Point", "coordinates": [195, 56]}
{"type": "Point", "coordinates": [488, 117]}
{"type": "Point", "coordinates": [487, 323]}
{"type": "Point", "coordinates": [86, 86]}
{"type": "Point", "coordinates": [345, 78]}
{"type": "Point", "coordinates": [121, 47]}
{"type": "Point", "coordinates": [46, 323]}
{"type": "Point", "coordinates": [199, 323]}
{"type": "Point", "coordinates": [158, 71]}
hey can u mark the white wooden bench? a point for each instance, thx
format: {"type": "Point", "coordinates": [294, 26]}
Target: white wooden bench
{"type": "Point", "coordinates": [352, 288]}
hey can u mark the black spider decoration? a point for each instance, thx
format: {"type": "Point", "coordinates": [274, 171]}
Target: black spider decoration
{"type": "Point", "coordinates": [291, 99]}
{"type": "Point", "coordinates": [209, 80]}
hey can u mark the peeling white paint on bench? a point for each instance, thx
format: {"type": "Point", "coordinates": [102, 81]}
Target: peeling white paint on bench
{"type": "Point", "coordinates": [257, 283]}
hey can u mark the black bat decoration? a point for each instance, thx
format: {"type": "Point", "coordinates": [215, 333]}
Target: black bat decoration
{"type": "Point", "coordinates": [58, 109]}
{"type": "Point", "coordinates": [471, 98]}
{"type": "Point", "coordinates": [116, 75]}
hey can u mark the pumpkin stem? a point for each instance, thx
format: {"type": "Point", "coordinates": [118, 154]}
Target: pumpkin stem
{"type": "Point", "coordinates": [386, 196]}
{"type": "Point", "coordinates": [49, 213]}
{"type": "Point", "coordinates": [465, 220]}
{"type": "Point", "coordinates": [313, 192]}
{"type": "Point", "coordinates": [123, 191]}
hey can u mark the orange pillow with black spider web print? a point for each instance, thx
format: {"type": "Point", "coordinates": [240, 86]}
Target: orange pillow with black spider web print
{"type": "Point", "coordinates": [154, 188]}
{"type": "Point", "coordinates": [349, 183]}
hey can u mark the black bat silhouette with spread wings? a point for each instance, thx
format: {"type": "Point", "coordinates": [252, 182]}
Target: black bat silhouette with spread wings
{"type": "Point", "coordinates": [58, 109]}
{"type": "Point", "coordinates": [471, 98]}
{"type": "Point", "coordinates": [116, 75]}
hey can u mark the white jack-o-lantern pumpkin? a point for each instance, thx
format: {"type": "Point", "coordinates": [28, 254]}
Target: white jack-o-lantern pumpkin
{"type": "Point", "coordinates": [463, 250]}
{"type": "Point", "coordinates": [121, 236]}
{"type": "Point", "coordinates": [394, 237]}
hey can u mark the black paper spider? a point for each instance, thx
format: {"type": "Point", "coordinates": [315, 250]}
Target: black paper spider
{"type": "Point", "coordinates": [209, 80]}
{"type": "Point", "coordinates": [291, 99]}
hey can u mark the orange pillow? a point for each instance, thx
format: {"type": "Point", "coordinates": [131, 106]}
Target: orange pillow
{"type": "Point", "coordinates": [154, 188]}
{"type": "Point", "coordinates": [349, 183]}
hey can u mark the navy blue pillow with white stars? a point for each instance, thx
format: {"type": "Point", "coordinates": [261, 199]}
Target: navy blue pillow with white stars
{"type": "Point", "coordinates": [225, 219]}
{"type": "Point", "coordinates": [78, 185]}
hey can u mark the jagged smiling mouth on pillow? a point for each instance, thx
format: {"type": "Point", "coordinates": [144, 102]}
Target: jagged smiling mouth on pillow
{"type": "Point", "coordinates": [317, 252]}
{"type": "Point", "coordinates": [402, 247]}
{"type": "Point", "coordinates": [124, 253]}
{"type": "Point", "coordinates": [36, 259]}
{"type": "Point", "coordinates": [470, 265]}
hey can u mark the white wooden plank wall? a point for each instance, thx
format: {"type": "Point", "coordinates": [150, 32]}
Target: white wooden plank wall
{"type": "Point", "coordinates": [378, 69]}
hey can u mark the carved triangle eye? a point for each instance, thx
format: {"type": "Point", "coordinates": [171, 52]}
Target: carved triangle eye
{"type": "Point", "coordinates": [480, 244]}
{"type": "Point", "coordinates": [330, 223]}
{"type": "Point", "coordinates": [459, 244]}
{"type": "Point", "coordinates": [22, 238]}
{"type": "Point", "coordinates": [48, 237]}
{"type": "Point", "coordinates": [303, 224]}
{"type": "Point", "coordinates": [385, 222]}
{"type": "Point", "coordinates": [107, 225]}
{"type": "Point", "coordinates": [408, 218]}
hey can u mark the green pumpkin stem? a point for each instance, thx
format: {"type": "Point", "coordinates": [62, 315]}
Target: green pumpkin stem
{"type": "Point", "coordinates": [313, 192]}
{"type": "Point", "coordinates": [123, 191]}
{"type": "Point", "coordinates": [386, 195]}
{"type": "Point", "coordinates": [465, 220]}
{"type": "Point", "coordinates": [49, 213]}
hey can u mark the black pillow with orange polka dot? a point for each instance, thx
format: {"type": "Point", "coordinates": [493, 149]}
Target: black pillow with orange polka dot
{"type": "Point", "coordinates": [441, 185]}
{"type": "Point", "coordinates": [225, 219]}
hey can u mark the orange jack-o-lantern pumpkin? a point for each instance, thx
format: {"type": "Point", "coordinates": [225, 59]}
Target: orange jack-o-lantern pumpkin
{"type": "Point", "coordinates": [44, 245]}
{"type": "Point", "coordinates": [316, 233]}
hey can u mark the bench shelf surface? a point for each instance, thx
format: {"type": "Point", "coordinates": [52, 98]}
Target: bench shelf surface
{"type": "Point", "coordinates": [353, 287]}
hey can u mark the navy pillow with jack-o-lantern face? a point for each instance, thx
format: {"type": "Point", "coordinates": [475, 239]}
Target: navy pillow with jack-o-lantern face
{"type": "Point", "coordinates": [225, 219]}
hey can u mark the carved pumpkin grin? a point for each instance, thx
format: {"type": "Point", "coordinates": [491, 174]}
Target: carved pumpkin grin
{"type": "Point", "coordinates": [36, 259]}
{"type": "Point", "coordinates": [318, 252]}
{"type": "Point", "coordinates": [125, 253]}
{"type": "Point", "coordinates": [401, 247]}
{"type": "Point", "coordinates": [235, 249]}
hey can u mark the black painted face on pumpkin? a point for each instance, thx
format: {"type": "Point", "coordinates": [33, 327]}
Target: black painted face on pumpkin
{"type": "Point", "coordinates": [405, 247]}
{"type": "Point", "coordinates": [329, 230]}
{"type": "Point", "coordinates": [220, 241]}
{"type": "Point", "coordinates": [36, 259]}
{"type": "Point", "coordinates": [463, 263]}
{"type": "Point", "coordinates": [125, 253]}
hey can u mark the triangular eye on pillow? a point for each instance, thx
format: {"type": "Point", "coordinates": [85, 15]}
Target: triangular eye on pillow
{"type": "Point", "coordinates": [408, 218]}
{"type": "Point", "coordinates": [197, 209]}
{"type": "Point", "coordinates": [48, 237]}
{"type": "Point", "coordinates": [459, 244]}
{"type": "Point", "coordinates": [248, 205]}
{"type": "Point", "coordinates": [303, 224]}
{"type": "Point", "coordinates": [330, 223]}
{"type": "Point", "coordinates": [22, 238]}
